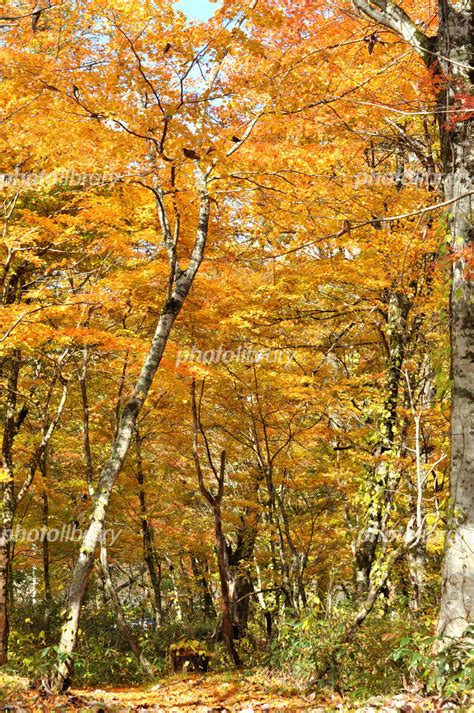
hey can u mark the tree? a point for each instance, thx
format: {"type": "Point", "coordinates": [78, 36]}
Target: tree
{"type": "Point", "coordinates": [215, 503]}
{"type": "Point", "coordinates": [160, 154]}
{"type": "Point", "coordinates": [448, 56]}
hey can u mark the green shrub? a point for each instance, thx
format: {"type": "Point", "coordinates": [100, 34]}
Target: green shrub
{"type": "Point", "coordinates": [362, 668]}
{"type": "Point", "coordinates": [449, 673]}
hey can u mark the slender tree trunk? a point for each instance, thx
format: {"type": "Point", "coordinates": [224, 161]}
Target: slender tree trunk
{"type": "Point", "coordinates": [263, 605]}
{"type": "Point", "coordinates": [8, 500]}
{"type": "Point", "coordinates": [122, 621]}
{"type": "Point", "coordinates": [240, 586]}
{"type": "Point", "coordinates": [207, 602]}
{"type": "Point", "coordinates": [298, 559]}
{"type": "Point", "coordinates": [176, 595]}
{"type": "Point", "coordinates": [222, 565]}
{"type": "Point", "coordinates": [154, 569]}
{"type": "Point", "coordinates": [48, 597]}
{"type": "Point", "coordinates": [84, 563]}
{"type": "Point", "coordinates": [240, 564]}
{"type": "Point", "coordinates": [85, 422]}
{"type": "Point", "coordinates": [416, 560]}
{"type": "Point", "coordinates": [383, 478]}
{"type": "Point", "coordinates": [215, 503]}
{"type": "Point", "coordinates": [180, 283]}
{"type": "Point", "coordinates": [280, 565]}
{"type": "Point", "coordinates": [7, 522]}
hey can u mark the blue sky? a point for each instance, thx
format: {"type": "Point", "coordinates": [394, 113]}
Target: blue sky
{"type": "Point", "coordinates": [197, 9]}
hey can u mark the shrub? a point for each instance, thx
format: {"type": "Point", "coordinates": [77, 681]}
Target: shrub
{"type": "Point", "coordinates": [449, 673]}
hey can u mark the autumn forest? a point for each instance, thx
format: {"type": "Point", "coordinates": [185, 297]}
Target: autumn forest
{"type": "Point", "coordinates": [236, 355]}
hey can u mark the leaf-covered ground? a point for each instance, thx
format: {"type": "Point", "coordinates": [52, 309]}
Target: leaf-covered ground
{"type": "Point", "coordinates": [210, 694]}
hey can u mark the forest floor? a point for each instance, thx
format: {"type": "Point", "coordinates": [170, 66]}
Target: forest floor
{"type": "Point", "coordinates": [216, 693]}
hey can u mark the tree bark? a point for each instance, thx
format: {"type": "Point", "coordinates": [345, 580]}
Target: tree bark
{"type": "Point", "coordinates": [85, 421]}
{"type": "Point", "coordinates": [416, 561]}
{"type": "Point", "coordinates": [222, 565]}
{"type": "Point", "coordinates": [207, 602]}
{"type": "Point", "coordinates": [240, 563]}
{"type": "Point", "coordinates": [8, 500]}
{"type": "Point", "coordinates": [176, 600]}
{"type": "Point", "coordinates": [48, 597]}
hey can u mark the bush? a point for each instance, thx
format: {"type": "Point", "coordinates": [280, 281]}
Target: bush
{"type": "Point", "coordinates": [188, 655]}
{"type": "Point", "coordinates": [364, 667]}
{"type": "Point", "coordinates": [449, 673]}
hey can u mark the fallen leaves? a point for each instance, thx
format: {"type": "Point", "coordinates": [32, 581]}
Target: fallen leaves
{"type": "Point", "coordinates": [217, 693]}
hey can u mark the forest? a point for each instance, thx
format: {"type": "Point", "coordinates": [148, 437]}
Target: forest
{"type": "Point", "coordinates": [236, 355]}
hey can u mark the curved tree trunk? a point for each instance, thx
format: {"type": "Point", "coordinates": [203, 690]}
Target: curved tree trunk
{"type": "Point", "coordinates": [180, 282]}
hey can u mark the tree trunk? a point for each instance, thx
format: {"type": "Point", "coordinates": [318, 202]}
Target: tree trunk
{"type": "Point", "coordinates": [298, 560]}
{"type": "Point", "coordinates": [48, 597]}
{"type": "Point", "coordinates": [4, 571]}
{"type": "Point", "coordinates": [449, 55]}
{"type": "Point", "coordinates": [416, 560]}
{"type": "Point", "coordinates": [180, 283]}
{"type": "Point", "coordinates": [383, 478]}
{"type": "Point", "coordinates": [215, 503]}
{"type": "Point", "coordinates": [176, 602]}
{"type": "Point", "coordinates": [224, 581]}
{"type": "Point", "coordinates": [154, 570]}
{"type": "Point", "coordinates": [8, 500]}
{"type": "Point", "coordinates": [456, 43]}
{"type": "Point", "coordinates": [240, 565]}
{"type": "Point", "coordinates": [122, 621]}
{"type": "Point", "coordinates": [240, 586]}
{"type": "Point", "coordinates": [85, 422]}
{"type": "Point", "coordinates": [84, 563]}
{"type": "Point", "coordinates": [207, 602]}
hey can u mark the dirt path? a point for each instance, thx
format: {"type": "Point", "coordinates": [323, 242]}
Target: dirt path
{"type": "Point", "coordinates": [216, 693]}
{"type": "Point", "coordinates": [203, 695]}
{"type": "Point", "coordinates": [212, 694]}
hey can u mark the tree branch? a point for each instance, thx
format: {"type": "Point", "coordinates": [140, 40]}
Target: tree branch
{"type": "Point", "coordinates": [394, 18]}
